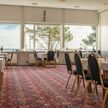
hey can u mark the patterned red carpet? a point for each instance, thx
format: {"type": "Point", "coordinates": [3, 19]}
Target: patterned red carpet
{"type": "Point", "coordinates": [32, 87]}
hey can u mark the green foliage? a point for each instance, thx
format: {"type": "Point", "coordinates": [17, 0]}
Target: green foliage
{"type": "Point", "coordinates": [91, 38]}
{"type": "Point", "coordinates": [68, 36]}
{"type": "Point", "coordinates": [52, 32]}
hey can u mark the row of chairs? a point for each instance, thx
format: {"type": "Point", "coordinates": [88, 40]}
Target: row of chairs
{"type": "Point", "coordinates": [95, 78]}
{"type": "Point", "coordinates": [49, 60]}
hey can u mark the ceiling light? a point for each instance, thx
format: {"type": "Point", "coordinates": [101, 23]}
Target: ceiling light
{"type": "Point", "coordinates": [105, 3]}
{"type": "Point", "coordinates": [62, 0]}
{"type": "Point", "coordinates": [76, 6]}
{"type": "Point", "coordinates": [34, 3]}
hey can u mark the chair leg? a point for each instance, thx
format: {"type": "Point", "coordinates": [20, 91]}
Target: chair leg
{"type": "Point", "coordinates": [104, 100]}
{"type": "Point", "coordinates": [78, 84]}
{"type": "Point", "coordinates": [96, 90]}
{"type": "Point", "coordinates": [83, 83]}
{"type": "Point", "coordinates": [55, 63]}
{"type": "Point", "coordinates": [68, 80]}
{"type": "Point", "coordinates": [74, 84]}
{"type": "Point", "coordinates": [87, 89]}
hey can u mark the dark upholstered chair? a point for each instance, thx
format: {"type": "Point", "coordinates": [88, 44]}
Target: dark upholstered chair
{"type": "Point", "coordinates": [38, 61]}
{"type": "Point", "coordinates": [69, 66]}
{"type": "Point", "coordinates": [81, 76]}
{"type": "Point", "coordinates": [96, 77]}
{"type": "Point", "coordinates": [99, 53]}
{"type": "Point", "coordinates": [57, 56]}
{"type": "Point", "coordinates": [80, 53]}
{"type": "Point", "coordinates": [51, 58]}
{"type": "Point", "coordinates": [57, 53]}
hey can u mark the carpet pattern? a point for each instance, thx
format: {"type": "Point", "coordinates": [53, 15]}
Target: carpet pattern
{"type": "Point", "coordinates": [32, 87]}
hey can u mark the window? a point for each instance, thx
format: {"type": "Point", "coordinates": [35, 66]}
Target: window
{"type": "Point", "coordinates": [10, 36]}
{"type": "Point", "coordinates": [29, 36]}
{"type": "Point", "coordinates": [80, 37]}
{"type": "Point", "coordinates": [42, 37]}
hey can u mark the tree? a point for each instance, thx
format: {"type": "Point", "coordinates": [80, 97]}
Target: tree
{"type": "Point", "coordinates": [68, 36]}
{"type": "Point", "coordinates": [52, 32]}
{"type": "Point", "coordinates": [91, 38]}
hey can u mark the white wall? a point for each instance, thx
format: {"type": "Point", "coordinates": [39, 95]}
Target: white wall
{"type": "Point", "coordinates": [10, 14]}
{"type": "Point", "coordinates": [53, 15]}
{"type": "Point", "coordinates": [81, 17]}
{"type": "Point", "coordinates": [22, 15]}
{"type": "Point", "coordinates": [104, 32]}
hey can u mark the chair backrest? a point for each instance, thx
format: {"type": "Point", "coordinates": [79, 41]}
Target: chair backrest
{"type": "Point", "coordinates": [50, 55]}
{"type": "Point", "coordinates": [11, 55]}
{"type": "Point", "coordinates": [78, 64]}
{"type": "Point", "coordinates": [80, 53]}
{"type": "Point", "coordinates": [94, 68]}
{"type": "Point", "coordinates": [68, 62]}
{"type": "Point", "coordinates": [99, 52]}
{"type": "Point", "coordinates": [35, 54]}
{"type": "Point", "coordinates": [57, 52]}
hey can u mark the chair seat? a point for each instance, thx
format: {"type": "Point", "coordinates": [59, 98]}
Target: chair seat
{"type": "Point", "coordinates": [9, 59]}
{"type": "Point", "coordinates": [88, 77]}
{"type": "Point", "coordinates": [105, 81]}
{"type": "Point", "coordinates": [39, 58]}
{"type": "Point", "coordinates": [45, 58]}
{"type": "Point", "coordinates": [75, 72]}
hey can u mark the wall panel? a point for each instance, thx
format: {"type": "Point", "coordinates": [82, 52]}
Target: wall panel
{"type": "Point", "coordinates": [52, 15]}
{"type": "Point", "coordinates": [104, 32]}
{"type": "Point", "coordinates": [10, 14]}
{"type": "Point", "coordinates": [81, 17]}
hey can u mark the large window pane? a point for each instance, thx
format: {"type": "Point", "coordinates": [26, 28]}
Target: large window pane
{"type": "Point", "coordinates": [82, 37]}
{"type": "Point", "coordinates": [47, 37]}
{"type": "Point", "coordinates": [29, 36]}
{"type": "Point", "coordinates": [42, 37]}
{"type": "Point", "coordinates": [10, 36]}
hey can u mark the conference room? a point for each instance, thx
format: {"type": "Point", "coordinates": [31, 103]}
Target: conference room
{"type": "Point", "coordinates": [53, 54]}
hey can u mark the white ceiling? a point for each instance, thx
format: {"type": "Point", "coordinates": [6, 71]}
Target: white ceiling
{"type": "Point", "coordinates": [72, 4]}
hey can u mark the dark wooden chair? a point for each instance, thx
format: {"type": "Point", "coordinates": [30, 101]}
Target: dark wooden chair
{"type": "Point", "coordinates": [96, 77]}
{"type": "Point", "coordinates": [51, 60]}
{"type": "Point", "coordinates": [81, 76]}
{"type": "Point", "coordinates": [38, 61]}
{"type": "Point", "coordinates": [8, 60]}
{"type": "Point", "coordinates": [80, 53]}
{"type": "Point", "coordinates": [57, 56]}
{"type": "Point", "coordinates": [69, 67]}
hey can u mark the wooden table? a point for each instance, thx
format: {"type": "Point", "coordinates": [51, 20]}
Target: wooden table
{"type": "Point", "coordinates": [104, 67]}
{"type": "Point", "coordinates": [85, 62]}
{"type": "Point", "coordinates": [2, 66]}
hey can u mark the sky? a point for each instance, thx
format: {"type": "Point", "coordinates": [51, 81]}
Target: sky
{"type": "Point", "coordinates": [79, 33]}
{"type": "Point", "coordinates": [10, 35]}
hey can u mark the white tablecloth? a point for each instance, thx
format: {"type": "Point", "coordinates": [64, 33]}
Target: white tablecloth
{"type": "Point", "coordinates": [3, 54]}
{"type": "Point", "coordinates": [2, 64]}
{"type": "Point", "coordinates": [104, 66]}
{"type": "Point", "coordinates": [42, 55]}
{"type": "Point", "coordinates": [85, 62]}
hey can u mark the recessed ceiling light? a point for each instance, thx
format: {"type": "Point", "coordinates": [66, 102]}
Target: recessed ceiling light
{"type": "Point", "coordinates": [34, 3]}
{"type": "Point", "coordinates": [76, 6]}
{"type": "Point", "coordinates": [62, 0]}
{"type": "Point", "coordinates": [105, 3]}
